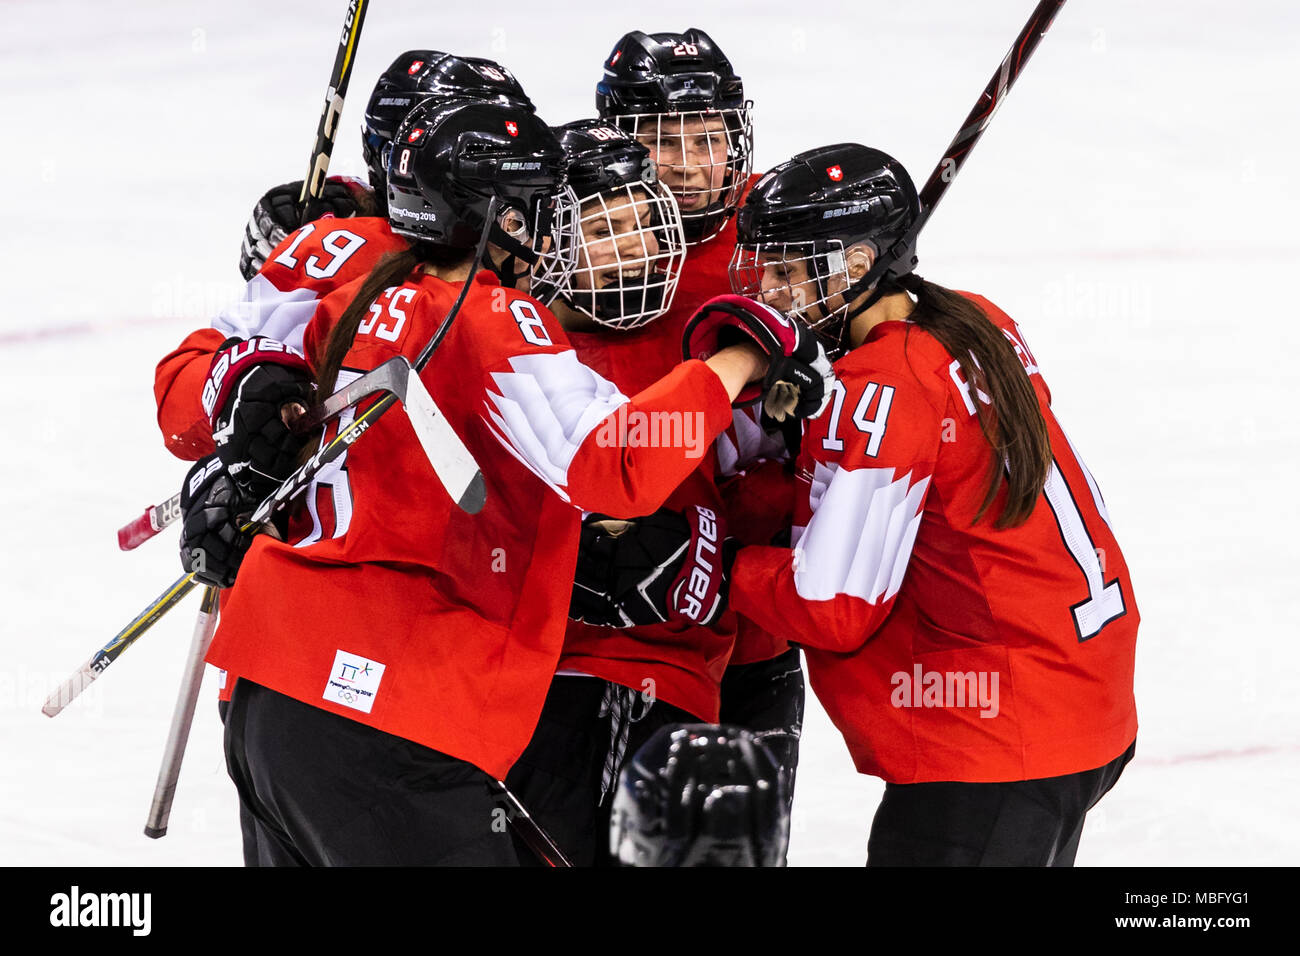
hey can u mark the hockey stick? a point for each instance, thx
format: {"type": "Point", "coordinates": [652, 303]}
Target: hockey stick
{"type": "Point", "coordinates": [157, 517]}
{"type": "Point", "coordinates": [901, 256]}
{"type": "Point", "coordinates": [313, 185]}
{"type": "Point", "coordinates": [182, 718]}
{"type": "Point", "coordinates": [529, 830]}
{"type": "Point", "coordinates": [455, 467]}
{"type": "Point", "coordinates": [384, 378]}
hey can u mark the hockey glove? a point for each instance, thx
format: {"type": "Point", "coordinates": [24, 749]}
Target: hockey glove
{"type": "Point", "coordinates": [668, 566]}
{"type": "Point", "coordinates": [255, 388]}
{"type": "Point", "coordinates": [799, 375]}
{"type": "Point", "coordinates": [212, 512]}
{"type": "Point", "coordinates": [278, 213]}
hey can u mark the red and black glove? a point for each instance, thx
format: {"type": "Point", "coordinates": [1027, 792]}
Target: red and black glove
{"type": "Point", "coordinates": [279, 213]}
{"type": "Point", "coordinates": [254, 387]}
{"type": "Point", "coordinates": [668, 566]}
{"type": "Point", "coordinates": [799, 375]}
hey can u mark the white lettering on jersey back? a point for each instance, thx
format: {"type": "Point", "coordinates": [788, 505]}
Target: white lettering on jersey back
{"type": "Point", "coordinates": [859, 539]}
{"type": "Point", "coordinates": [265, 310]}
{"type": "Point", "coordinates": [545, 407]}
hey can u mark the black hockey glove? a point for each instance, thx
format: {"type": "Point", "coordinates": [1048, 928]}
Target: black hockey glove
{"type": "Point", "coordinates": [212, 512]}
{"type": "Point", "coordinates": [278, 213]}
{"type": "Point", "coordinates": [668, 566]}
{"type": "Point", "coordinates": [799, 375]}
{"type": "Point", "coordinates": [254, 388]}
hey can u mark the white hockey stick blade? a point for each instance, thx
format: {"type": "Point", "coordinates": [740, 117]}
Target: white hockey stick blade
{"type": "Point", "coordinates": [451, 460]}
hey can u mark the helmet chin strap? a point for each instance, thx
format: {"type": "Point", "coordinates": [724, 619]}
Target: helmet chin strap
{"type": "Point", "coordinates": [516, 251]}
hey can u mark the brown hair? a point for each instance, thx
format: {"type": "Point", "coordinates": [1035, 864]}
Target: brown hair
{"type": "Point", "coordinates": [1020, 449]}
{"type": "Point", "coordinates": [392, 269]}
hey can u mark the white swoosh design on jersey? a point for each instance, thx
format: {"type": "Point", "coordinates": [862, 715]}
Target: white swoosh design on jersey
{"type": "Point", "coordinates": [544, 409]}
{"type": "Point", "coordinates": [860, 537]}
{"type": "Point", "coordinates": [265, 310]}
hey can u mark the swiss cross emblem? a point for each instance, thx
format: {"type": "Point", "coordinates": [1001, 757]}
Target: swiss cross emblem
{"type": "Point", "coordinates": [835, 173]}
{"type": "Point", "coordinates": [415, 134]}
{"type": "Point", "coordinates": [414, 68]}
{"type": "Point", "coordinates": [512, 127]}
{"type": "Point", "coordinates": [617, 56]}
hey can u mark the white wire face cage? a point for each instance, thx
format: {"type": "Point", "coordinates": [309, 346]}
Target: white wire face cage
{"type": "Point", "coordinates": [556, 250]}
{"type": "Point", "coordinates": [627, 249]}
{"type": "Point", "coordinates": [703, 157]}
{"type": "Point", "coordinates": [799, 278]}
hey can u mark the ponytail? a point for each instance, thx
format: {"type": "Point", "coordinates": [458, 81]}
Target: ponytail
{"type": "Point", "coordinates": [1020, 449]}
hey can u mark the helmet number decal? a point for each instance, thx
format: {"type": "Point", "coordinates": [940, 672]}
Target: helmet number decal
{"type": "Point", "coordinates": [686, 49]}
{"type": "Point", "coordinates": [404, 162]}
{"type": "Point", "coordinates": [530, 322]}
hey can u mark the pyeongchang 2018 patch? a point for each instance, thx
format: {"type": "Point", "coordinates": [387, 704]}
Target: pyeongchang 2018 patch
{"type": "Point", "coordinates": [354, 681]}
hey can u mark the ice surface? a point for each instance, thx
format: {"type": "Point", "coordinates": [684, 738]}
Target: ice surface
{"type": "Point", "coordinates": [1133, 206]}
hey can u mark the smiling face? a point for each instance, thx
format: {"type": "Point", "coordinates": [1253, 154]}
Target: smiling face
{"type": "Point", "coordinates": [692, 153]}
{"type": "Point", "coordinates": [619, 244]}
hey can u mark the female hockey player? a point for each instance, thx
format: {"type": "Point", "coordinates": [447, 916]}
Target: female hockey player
{"type": "Point", "coordinates": [616, 685]}
{"type": "Point", "coordinates": [394, 657]}
{"type": "Point", "coordinates": [679, 94]}
{"type": "Point", "coordinates": [966, 612]}
{"type": "Point", "coordinates": [281, 294]}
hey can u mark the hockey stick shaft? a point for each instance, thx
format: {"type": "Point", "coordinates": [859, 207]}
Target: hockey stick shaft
{"type": "Point", "coordinates": [981, 114]}
{"type": "Point", "coordinates": [89, 672]}
{"type": "Point", "coordinates": [529, 830]}
{"type": "Point", "coordinates": [289, 491]}
{"type": "Point", "coordinates": [968, 134]}
{"type": "Point", "coordinates": [313, 185]}
{"type": "Point", "coordinates": [182, 718]}
{"type": "Point", "coordinates": [157, 517]}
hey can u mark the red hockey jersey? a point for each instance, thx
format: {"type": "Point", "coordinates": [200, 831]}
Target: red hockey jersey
{"type": "Point", "coordinates": [944, 650]}
{"type": "Point", "coordinates": [394, 608]}
{"type": "Point", "coordinates": [310, 263]}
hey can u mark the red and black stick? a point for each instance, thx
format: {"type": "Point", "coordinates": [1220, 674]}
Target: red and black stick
{"type": "Point", "coordinates": [901, 255]}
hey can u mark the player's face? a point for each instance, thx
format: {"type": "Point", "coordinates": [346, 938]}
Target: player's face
{"type": "Point", "coordinates": [785, 282]}
{"type": "Point", "coordinates": [691, 153]}
{"type": "Point", "coordinates": [618, 241]}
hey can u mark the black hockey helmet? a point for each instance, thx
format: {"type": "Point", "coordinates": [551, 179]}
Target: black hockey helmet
{"type": "Point", "coordinates": [812, 210]}
{"type": "Point", "coordinates": [418, 74]}
{"type": "Point", "coordinates": [450, 158]}
{"type": "Point", "coordinates": [656, 86]}
{"type": "Point", "coordinates": [700, 795]}
{"type": "Point", "coordinates": [619, 246]}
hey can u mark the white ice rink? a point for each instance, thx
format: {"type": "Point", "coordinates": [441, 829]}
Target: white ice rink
{"type": "Point", "coordinates": [1133, 205]}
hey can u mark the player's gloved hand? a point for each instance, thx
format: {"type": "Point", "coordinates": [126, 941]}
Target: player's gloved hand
{"type": "Point", "coordinates": [799, 375]}
{"type": "Point", "coordinates": [279, 213]}
{"type": "Point", "coordinates": [255, 388]}
{"type": "Point", "coordinates": [668, 566]}
{"type": "Point", "coordinates": [212, 512]}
